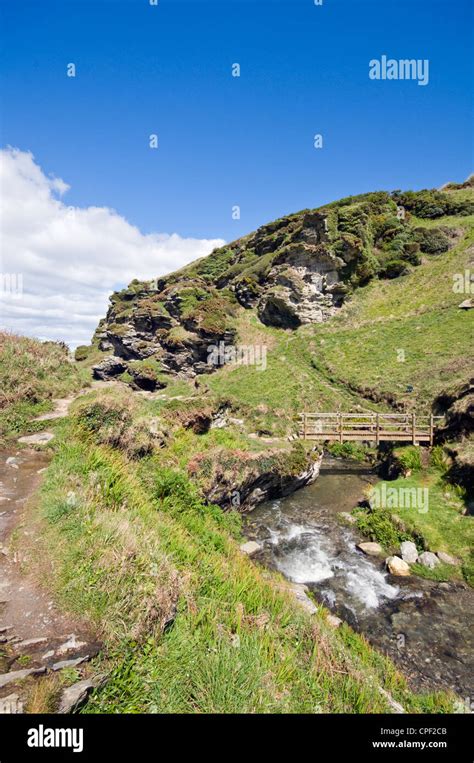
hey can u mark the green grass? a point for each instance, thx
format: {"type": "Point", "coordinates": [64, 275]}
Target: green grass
{"type": "Point", "coordinates": [351, 450]}
{"type": "Point", "coordinates": [391, 332]}
{"type": "Point", "coordinates": [32, 373]}
{"type": "Point", "coordinates": [190, 624]}
{"type": "Point", "coordinates": [443, 527]}
{"type": "Point", "coordinates": [272, 398]}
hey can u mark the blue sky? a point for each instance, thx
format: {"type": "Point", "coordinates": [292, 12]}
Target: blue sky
{"type": "Point", "coordinates": [222, 140]}
{"type": "Point", "coordinates": [87, 205]}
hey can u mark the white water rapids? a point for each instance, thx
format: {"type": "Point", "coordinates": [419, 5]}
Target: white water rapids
{"type": "Point", "coordinates": [305, 554]}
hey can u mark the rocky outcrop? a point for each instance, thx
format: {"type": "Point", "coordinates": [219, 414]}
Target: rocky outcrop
{"type": "Point", "coordinates": [293, 271]}
{"type": "Point", "coordinates": [243, 480]}
{"type": "Point", "coordinates": [171, 325]}
{"type": "Point", "coordinates": [108, 368]}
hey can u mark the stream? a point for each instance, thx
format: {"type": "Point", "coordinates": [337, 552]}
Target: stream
{"type": "Point", "coordinates": [426, 627]}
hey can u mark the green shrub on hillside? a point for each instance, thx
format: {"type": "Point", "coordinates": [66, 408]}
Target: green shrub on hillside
{"type": "Point", "coordinates": [432, 240]}
{"type": "Point", "coordinates": [32, 373]}
{"type": "Point", "coordinates": [385, 226]}
{"type": "Point", "coordinates": [114, 420]}
{"type": "Point", "coordinates": [82, 352]}
{"type": "Point", "coordinates": [411, 254]}
{"type": "Point", "coordinates": [212, 315]}
{"type": "Point", "coordinates": [432, 203]}
{"type": "Point", "coordinates": [394, 269]}
{"type": "Point", "coordinates": [213, 267]}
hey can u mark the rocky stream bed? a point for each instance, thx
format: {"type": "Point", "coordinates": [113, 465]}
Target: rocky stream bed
{"type": "Point", "coordinates": [426, 627]}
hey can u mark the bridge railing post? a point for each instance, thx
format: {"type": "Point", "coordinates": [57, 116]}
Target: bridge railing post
{"type": "Point", "coordinates": [377, 429]}
{"type": "Point", "coordinates": [413, 428]}
{"type": "Point", "coordinates": [431, 429]}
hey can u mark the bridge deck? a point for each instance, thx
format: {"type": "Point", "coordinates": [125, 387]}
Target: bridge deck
{"type": "Point", "coordinates": [377, 427]}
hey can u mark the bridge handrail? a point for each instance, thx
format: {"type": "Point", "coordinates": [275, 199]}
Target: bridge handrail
{"type": "Point", "coordinates": [374, 425]}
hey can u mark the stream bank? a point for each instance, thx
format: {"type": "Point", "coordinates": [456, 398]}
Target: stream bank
{"type": "Point", "coordinates": [425, 626]}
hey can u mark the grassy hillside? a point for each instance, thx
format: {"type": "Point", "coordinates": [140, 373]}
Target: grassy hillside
{"type": "Point", "coordinates": [190, 623]}
{"type": "Point", "coordinates": [416, 314]}
{"type": "Point", "coordinates": [391, 335]}
{"type": "Point", "coordinates": [32, 373]}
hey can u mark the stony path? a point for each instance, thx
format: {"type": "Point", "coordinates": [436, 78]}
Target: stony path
{"type": "Point", "coordinates": [36, 638]}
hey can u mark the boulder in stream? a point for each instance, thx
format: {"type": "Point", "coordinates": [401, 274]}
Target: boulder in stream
{"type": "Point", "coordinates": [370, 548]}
{"type": "Point", "coordinates": [397, 566]}
{"type": "Point", "coordinates": [250, 548]}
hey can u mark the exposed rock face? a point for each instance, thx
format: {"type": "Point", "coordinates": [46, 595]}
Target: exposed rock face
{"type": "Point", "coordinates": [458, 407]}
{"type": "Point", "coordinates": [457, 404]}
{"type": "Point", "coordinates": [304, 284]}
{"type": "Point", "coordinates": [253, 478]}
{"type": "Point", "coordinates": [172, 325]}
{"type": "Point", "coordinates": [111, 366]}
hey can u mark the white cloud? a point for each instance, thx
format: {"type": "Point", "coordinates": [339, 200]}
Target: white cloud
{"type": "Point", "coordinates": [71, 258]}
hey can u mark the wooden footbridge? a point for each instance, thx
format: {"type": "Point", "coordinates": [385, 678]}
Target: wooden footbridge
{"type": "Point", "coordinates": [370, 427]}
